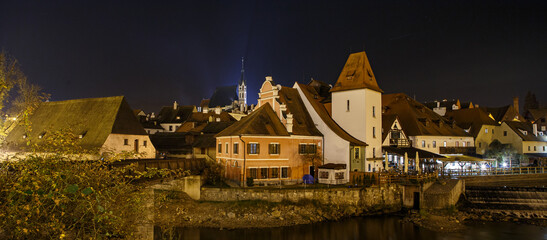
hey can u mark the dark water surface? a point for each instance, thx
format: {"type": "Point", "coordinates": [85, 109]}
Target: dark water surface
{"type": "Point", "coordinates": [381, 227]}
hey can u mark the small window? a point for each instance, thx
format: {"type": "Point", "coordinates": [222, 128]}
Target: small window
{"type": "Point", "coordinates": [535, 148]}
{"type": "Point", "coordinates": [263, 173]}
{"type": "Point", "coordinates": [544, 148]}
{"type": "Point", "coordinates": [347, 103]}
{"type": "Point", "coordinates": [284, 172]}
{"type": "Point", "coordinates": [504, 133]}
{"type": "Point", "coordinates": [236, 148]}
{"type": "Point", "coordinates": [227, 147]}
{"type": "Point", "coordinates": [480, 145]}
{"type": "Point", "coordinates": [457, 144]}
{"type": "Point", "coordinates": [126, 142]}
{"type": "Point", "coordinates": [492, 131]}
{"type": "Point", "coordinates": [253, 173]}
{"type": "Point", "coordinates": [219, 147]}
{"type": "Point", "coordinates": [253, 148]}
{"type": "Point", "coordinates": [312, 149]}
{"type": "Point", "coordinates": [356, 152]}
{"type": "Point", "coordinates": [145, 143]}
{"type": "Point", "coordinates": [373, 152]}
{"type": "Point", "coordinates": [528, 148]}
{"type": "Point", "coordinates": [486, 130]}
{"type": "Point", "coordinates": [374, 132]}
{"type": "Point", "coordinates": [274, 172]}
{"type": "Point", "coordinates": [434, 144]}
{"type": "Point", "coordinates": [444, 144]}
{"type": "Point", "coordinates": [302, 148]}
{"type": "Point", "coordinates": [273, 148]}
{"type": "Point", "coordinates": [423, 143]}
{"type": "Point", "coordinates": [373, 111]}
{"type": "Point", "coordinates": [170, 128]}
{"type": "Point", "coordinates": [469, 144]}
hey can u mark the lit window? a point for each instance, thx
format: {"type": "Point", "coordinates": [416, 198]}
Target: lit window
{"type": "Point", "coordinates": [463, 144]}
{"type": "Point", "coordinates": [423, 143]}
{"type": "Point", "coordinates": [253, 148]}
{"type": "Point", "coordinates": [444, 144]}
{"type": "Point", "coordinates": [486, 130]}
{"type": "Point", "coordinates": [434, 144]}
{"type": "Point", "coordinates": [457, 144]}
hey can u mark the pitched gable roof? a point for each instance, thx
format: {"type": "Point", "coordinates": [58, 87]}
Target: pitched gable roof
{"type": "Point", "coordinates": [535, 114]}
{"type": "Point", "coordinates": [472, 119]}
{"type": "Point", "coordinates": [168, 114]}
{"type": "Point", "coordinates": [505, 113]}
{"type": "Point", "coordinates": [302, 122]}
{"type": "Point", "coordinates": [416, 119]}
{"type": "Point", "coordinates": [94, 118]}
{"type": "Point", "coordinates": [315, 100]}
{"type": "Point", "coordinates": [356, 74]}
{"type": "Point", "coordinates": [519, 127]}
{"type": "Point", "coordinates": [387, 122]}
{"type": "Point", "coordinates": [263, 121]}
{"type": "Point", "coordinates": [223, 96]}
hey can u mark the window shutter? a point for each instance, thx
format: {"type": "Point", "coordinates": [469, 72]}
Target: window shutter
{"type": "Point", "coordinates": [248, 148]}
{"type": "Point", "coordinates": [289, 172]}
{"type": "Point", "coordinates": [270, 148]}
{"type": "Point", "coordinates": [258, 148]}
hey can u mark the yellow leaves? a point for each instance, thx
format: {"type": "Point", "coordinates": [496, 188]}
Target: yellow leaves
{"type": "Point", "coordinates": [56, 201]}
{"type": "Point", "coordinates": [62, 236]}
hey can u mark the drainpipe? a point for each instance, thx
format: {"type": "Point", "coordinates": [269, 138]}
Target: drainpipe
{"type": "Point", "coordinates": [244, 160]}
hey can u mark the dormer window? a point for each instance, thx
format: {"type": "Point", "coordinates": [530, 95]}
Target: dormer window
{"type": "Point", "coordinates": [82, 135]}
{"type": "Point", "coordinates": [178, 117]}
{"type": "Point", "coordinates": [523, 132]}
{"type": "Point", "coordinates": [41, 135]}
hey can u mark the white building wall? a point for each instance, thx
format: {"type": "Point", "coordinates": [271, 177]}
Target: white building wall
{"type": "Point", "coordinates": [115, 144]}
{"type": "Point", "coordinates": [359, 120]}
{"type": "Point", "coordinates": [336, 149]}
{"type": "Point", "coordinates": [439, 141]}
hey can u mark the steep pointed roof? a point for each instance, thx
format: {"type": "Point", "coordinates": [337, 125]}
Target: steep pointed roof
{"type": "Point", "coordinates": [242, 79]}
{"type": "Point", "coordinates": [356, 74]}
{"type": "Point", "coordinates": [223, 96]}
{"type": "Point", "coordinates": [94, 118]}
{"type": "Point", "coordinates": [505, 113]}
{"type": "Point", "coordinates": [263, 121]}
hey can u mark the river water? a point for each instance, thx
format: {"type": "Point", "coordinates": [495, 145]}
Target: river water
{"type": "Point", "coordinates": [381, 227]}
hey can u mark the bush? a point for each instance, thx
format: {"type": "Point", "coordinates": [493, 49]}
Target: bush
{"type": "Point", "coordinates": [51, 197]}
{"type": "Point", "coordinates": [213, 173]}
{"type": "Point", "coordinates": [250, 182]}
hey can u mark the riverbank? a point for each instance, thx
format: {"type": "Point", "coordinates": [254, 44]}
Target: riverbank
{"type": "Point", "coordinates": [178, 210]}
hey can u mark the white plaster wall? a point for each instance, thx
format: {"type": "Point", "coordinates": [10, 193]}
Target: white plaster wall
{"type": "Point", "coordinates": [336, 149]}
{"type": "Point", "coordinates": [359, 120]}
{"type": "Point", "coordinates": [115, 143]}
{"type": "Point", "coordinates": [450, 142]}
{"type": "Point", "coordinates": [174, 128]}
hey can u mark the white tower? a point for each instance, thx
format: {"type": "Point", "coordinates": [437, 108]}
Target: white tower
{"type": "Point", "coordinates": [357, 106]}
{"type": "Point", "coordinates": [242, 88]}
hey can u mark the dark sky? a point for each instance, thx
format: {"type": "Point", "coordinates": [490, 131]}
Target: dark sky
{"type": "Point", "coordinates": [155, 52]}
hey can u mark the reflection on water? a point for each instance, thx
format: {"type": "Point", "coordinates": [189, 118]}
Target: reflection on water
{"type": "Point", "coordinates": [382, 227]}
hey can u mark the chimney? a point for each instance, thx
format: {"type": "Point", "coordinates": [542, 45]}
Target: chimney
{"type": "Point", "coordinates": [153, 115]}
{"type": "Point", "coordinates": [438, 104]}
{"type": "Point", "coordinates": [175, 105]}
{"type": "Point", "coordinates": [289, 122]}
{"type": "Point", "coordinates": [516, 104]}
{"type": "Point", "coordinates": [268, 78]}
{"type": "Point", "coordinates": [535, 127]}
{"type": "Point", "coordinates": [217, 110]}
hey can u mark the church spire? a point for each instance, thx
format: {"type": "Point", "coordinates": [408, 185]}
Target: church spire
{"type": "Point", "coordinates": [242, 79]}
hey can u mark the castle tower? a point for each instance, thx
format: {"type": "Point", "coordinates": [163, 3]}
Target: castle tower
{"type": "Point", "coordinates": [357, 105]}
{"type": "Point", "coordinates": [242, 88]}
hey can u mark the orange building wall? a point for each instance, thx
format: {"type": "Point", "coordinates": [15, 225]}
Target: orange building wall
{"type": "Point", "coordinates": [289, 156]}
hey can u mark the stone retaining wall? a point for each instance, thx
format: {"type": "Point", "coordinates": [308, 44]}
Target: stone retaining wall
{"type": "Point", "coordinates": [374, 197]}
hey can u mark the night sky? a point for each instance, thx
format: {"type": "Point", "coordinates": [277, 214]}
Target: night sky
{"type": "Point", "coordinates": [157, 52]}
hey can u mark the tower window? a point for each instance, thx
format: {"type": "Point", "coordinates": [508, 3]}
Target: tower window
{"type": "Point", "coordinates": [373, 111]}
{"type": "Point", "coordinates": [347, 105]}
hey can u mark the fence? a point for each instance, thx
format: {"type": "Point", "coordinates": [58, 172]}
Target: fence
{"type": "Point", "coordinates": [193, 164]}
{"type": "Point", "coordinates": [383, 178]}
{"type": "Point", "coordinates": [495, 171]}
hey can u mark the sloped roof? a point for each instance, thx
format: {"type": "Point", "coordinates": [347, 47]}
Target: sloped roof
{"type": "Point", "coordinates": [223, 96]}
{"type": "Point", "coordinates": [535, 114]}
{"type": "Point", "coordinates": [168, 114]}
{"type": "Point", "coordinates": [315, 100]}
{"type": "Point", "coordinates": [416, 119]}
{"type": "Point", "coordinates": [204, 141]}
{"type": "Point", "coordinates": [171, 142]}
{"type": "Point", "coordinates": [356, 74]}
{"type": "Point", "coordinates": [518, 127]}
{"type": "Point", "coordinates": [472, 119]}
{"type": "Point", "coordinates": [94, 118]}
{"type": "Point", "coordinates": [322, 88]}
{"type": "Point", "coordinates": [505, 113]}
{"type": "Point", "coordinates": [444, 103]}
{"type": "Point", "coordinates": [263, 121]}
{"type": "Point", "coordinates": [204, 117]}
{"type": "Point", "coordinates": [302, 122]}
